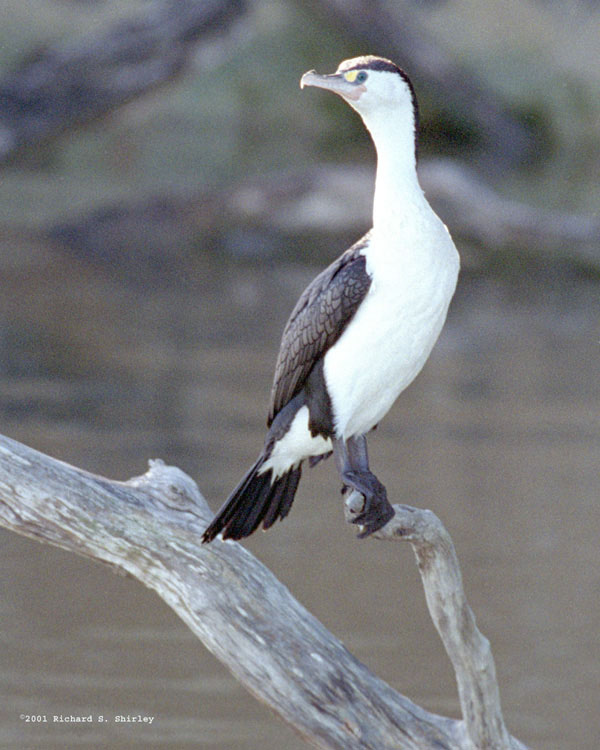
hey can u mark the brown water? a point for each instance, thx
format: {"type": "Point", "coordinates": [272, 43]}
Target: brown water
{"type": "Point", "coordinates": [499, 435]}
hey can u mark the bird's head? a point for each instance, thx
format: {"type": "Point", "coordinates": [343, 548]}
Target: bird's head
{"type": "Point", "coordinates": [374, 86]}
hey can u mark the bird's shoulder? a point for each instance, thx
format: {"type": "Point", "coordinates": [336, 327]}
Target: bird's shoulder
{"type": "Point", "coordinates": [317, 321]}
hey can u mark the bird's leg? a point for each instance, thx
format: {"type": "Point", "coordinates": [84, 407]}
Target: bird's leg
{"type": "Point", "coordinates": [352, 462]}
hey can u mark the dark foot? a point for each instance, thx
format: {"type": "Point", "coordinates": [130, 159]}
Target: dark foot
{"type": "Point", "coordinates": [377, 510]}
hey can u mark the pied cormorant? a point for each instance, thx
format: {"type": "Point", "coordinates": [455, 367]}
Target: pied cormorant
{"type": "Point", "coordinates": [363, 329]}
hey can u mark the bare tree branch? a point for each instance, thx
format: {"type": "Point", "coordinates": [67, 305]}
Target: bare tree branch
{"type": "Point", "coordinates": [74, 83]}
{"type": "Point", "coordinates": [468, 649]}
{"type": "Point", "coordinates": [150, 526]}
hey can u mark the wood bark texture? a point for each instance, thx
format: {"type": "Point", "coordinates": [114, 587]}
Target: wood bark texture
{"type": "Point", "coordinates": [150, 527]}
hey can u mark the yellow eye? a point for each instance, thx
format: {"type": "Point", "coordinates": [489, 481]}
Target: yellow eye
{"type": "Point", "coordinates": [356, 76]}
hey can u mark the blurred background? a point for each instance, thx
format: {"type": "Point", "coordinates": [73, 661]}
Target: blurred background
{"type": "Point", "coordinates": [166, 192]}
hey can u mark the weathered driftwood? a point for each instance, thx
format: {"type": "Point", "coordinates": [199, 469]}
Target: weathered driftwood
{"type": "Point", "coordinates": [150, 526]}
{"type": "Point", "coordinates": [78, 81]}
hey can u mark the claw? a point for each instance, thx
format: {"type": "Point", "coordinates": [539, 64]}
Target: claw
{"type": "Point", "coordinates": [376, 511]}
{"type": "Point", "coordinates": [374, 517]}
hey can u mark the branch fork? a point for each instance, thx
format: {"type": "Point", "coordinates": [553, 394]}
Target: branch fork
{"type": "Point", "coordinates": [150, 527]}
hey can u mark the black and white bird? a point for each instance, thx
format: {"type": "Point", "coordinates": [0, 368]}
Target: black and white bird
{"type": "Point", "coordinates": [363, 329]}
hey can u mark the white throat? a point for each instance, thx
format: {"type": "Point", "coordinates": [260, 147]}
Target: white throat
{"type": "Point", "coordinates": [397, 189]}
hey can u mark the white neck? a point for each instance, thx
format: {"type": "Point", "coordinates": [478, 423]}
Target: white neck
{"type": "Point", "coordinates": [397, 188]}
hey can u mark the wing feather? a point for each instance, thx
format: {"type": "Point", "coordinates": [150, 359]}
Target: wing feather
{"type": "Point", "coordinates": [317, 321]}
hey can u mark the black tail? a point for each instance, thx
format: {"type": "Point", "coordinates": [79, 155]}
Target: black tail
{"type": "Point", "coordinates": [255, 499]}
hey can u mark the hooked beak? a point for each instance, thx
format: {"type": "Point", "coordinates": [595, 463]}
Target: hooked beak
{"type": "Point", "coordinates": [334, 82]}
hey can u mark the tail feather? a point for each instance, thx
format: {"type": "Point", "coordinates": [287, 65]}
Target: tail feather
{"type": "Point", "coordinates": [285, 498]}
{"type": "Point", "coordinates": [256, 499]}
{"type": "Point", "coordinates": [291, 494]}
{"type": "Point", "coordinates": [228, 511]}
{"type": "Point", "coordinates": [283, 495]}
{"type": "Point", "coordinates": [248, 515]}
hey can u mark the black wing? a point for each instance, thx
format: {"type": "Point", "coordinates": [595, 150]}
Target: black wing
{"type": "Point", "coordinates": [317, 322]}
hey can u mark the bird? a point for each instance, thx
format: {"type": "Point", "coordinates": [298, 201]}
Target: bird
{"type": "Point", "coordinates": [362, 330]}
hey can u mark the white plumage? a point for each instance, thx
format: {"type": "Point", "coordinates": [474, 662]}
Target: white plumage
{"type": "Point", "coordinates": [363, 329]}
{"type": "Point", "coordinates": [413, 264]}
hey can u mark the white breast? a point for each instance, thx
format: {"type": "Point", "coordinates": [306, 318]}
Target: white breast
{"type": "Point", "coordinates": [414, 270]}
